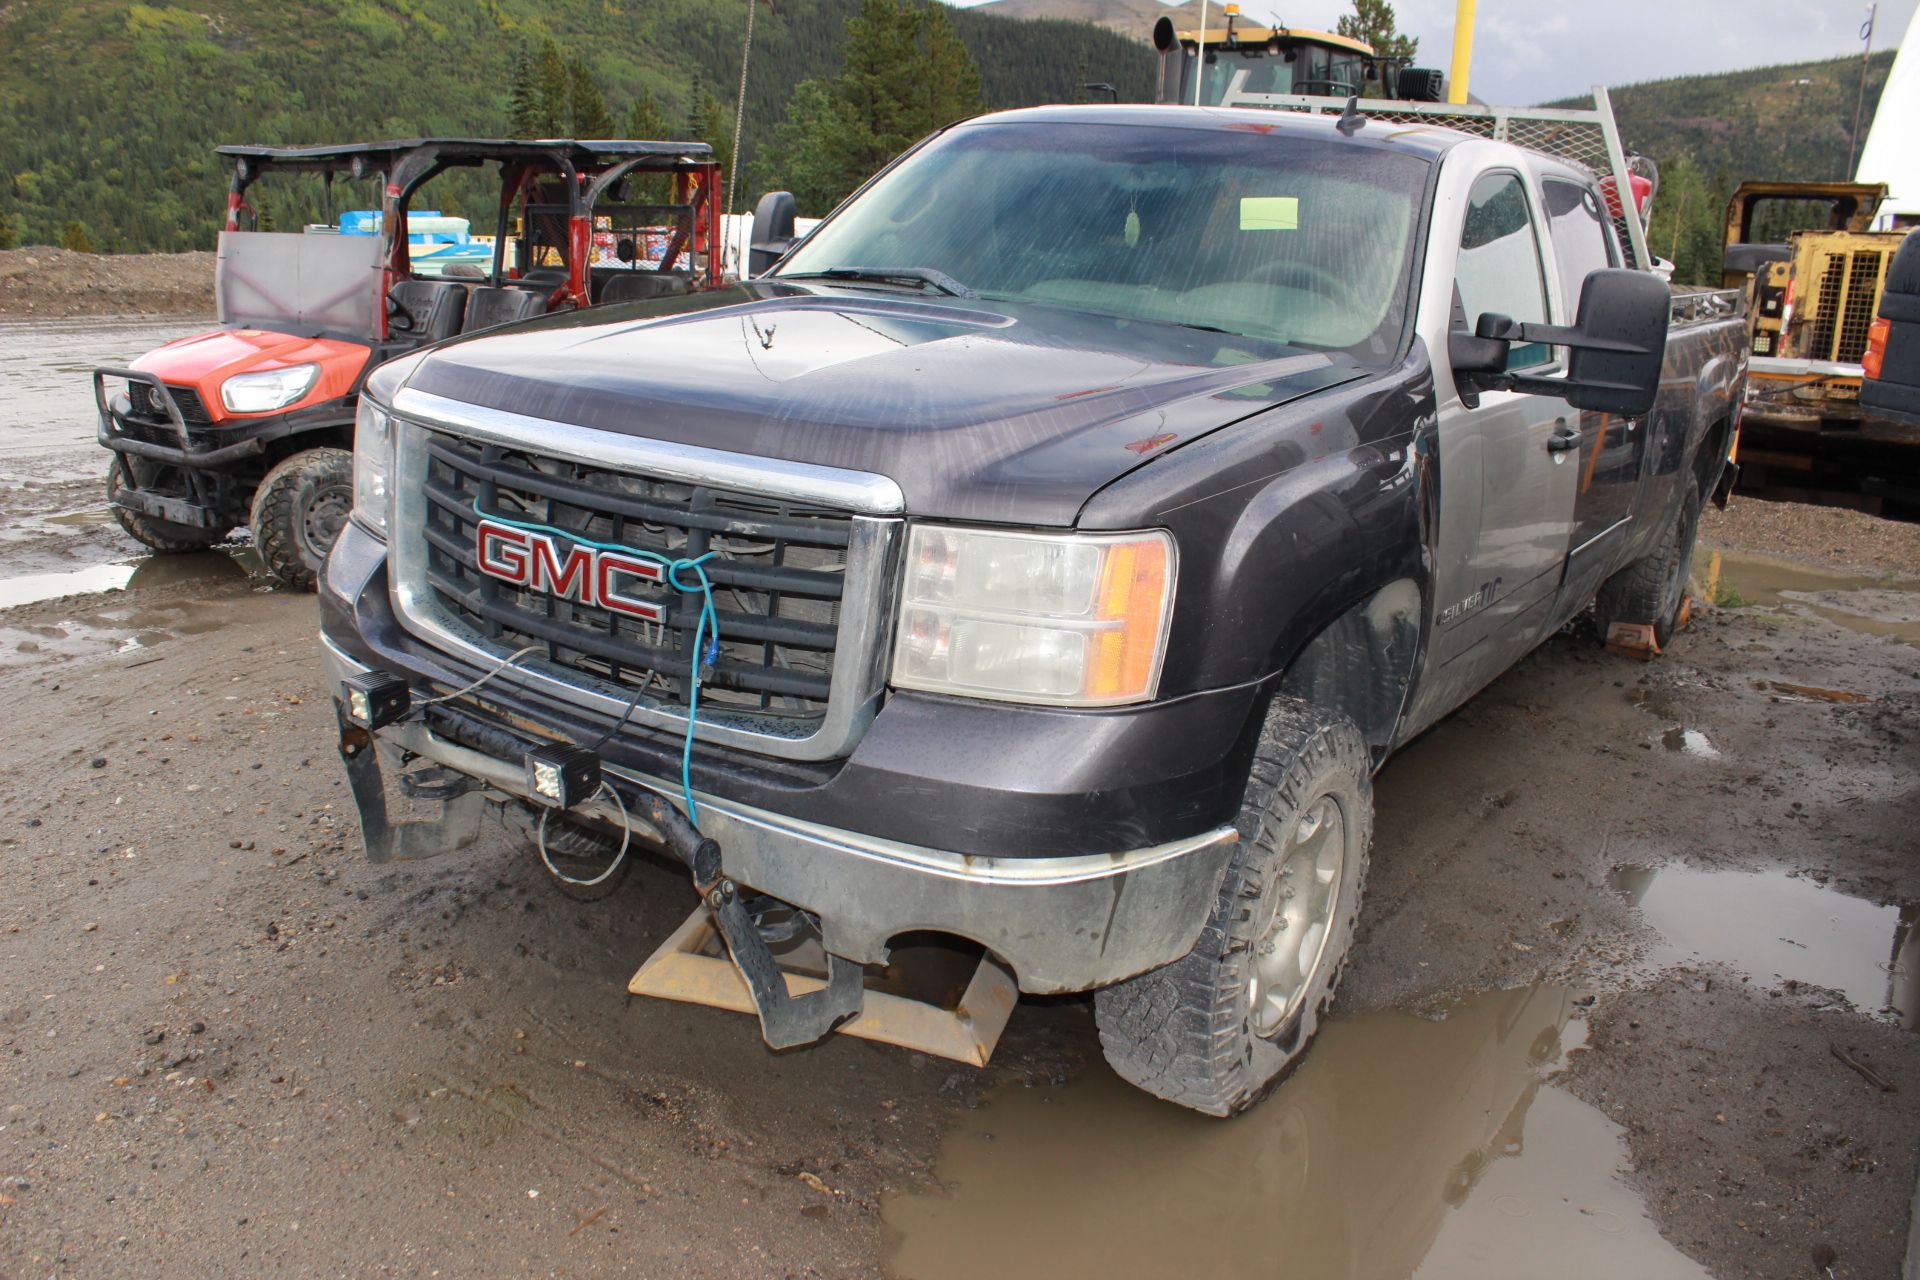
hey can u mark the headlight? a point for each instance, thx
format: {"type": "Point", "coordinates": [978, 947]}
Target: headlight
{"type": "Point", "coordinates": [275, 389]}
{"type": "Point", "coordinates": [1073, 620]}
{"type": "Point", "coordinates": [372, 455]}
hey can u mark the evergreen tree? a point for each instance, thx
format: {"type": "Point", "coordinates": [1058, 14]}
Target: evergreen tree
{"type": "Point", "coordinates": [9, 236]}
{"type": "Point", "coordinates": [950, 81]}
{"type": "Point", "coordinates": [905, 75]}
{"type": "Point", "coordinates": [552, 93]}
{"type": "Point", "coordinates": [587, 114]}
{"type": "Point", "coordinates": [712, 123]}
{"type": "Point", "coordinates": [523, 95]}
{"type": "Point", "coordinates": [75, 238]}
{"type": "Point", "coordinates": [646, 120]}
{"type": "Point", "coordinates": [1374, 22]}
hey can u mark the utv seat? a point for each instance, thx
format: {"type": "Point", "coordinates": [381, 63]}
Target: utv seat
{"type": "Point", "coordinates": [634, 286]}
{"type": "Point", "coordinates": [426, 309]}
{"type": "Point", "coordinates": [489, 307]}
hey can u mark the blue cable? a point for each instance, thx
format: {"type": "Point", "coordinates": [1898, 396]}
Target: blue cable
{"type": "Point", "coordinates": [706, 631]}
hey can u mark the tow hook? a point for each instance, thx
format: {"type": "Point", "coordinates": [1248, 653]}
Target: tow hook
{"type": "Point", "coordinates": [786, 1020]}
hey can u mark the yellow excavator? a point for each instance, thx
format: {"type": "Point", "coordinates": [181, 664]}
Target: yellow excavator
{"type": "Point", "coordinates": [1814, 273]}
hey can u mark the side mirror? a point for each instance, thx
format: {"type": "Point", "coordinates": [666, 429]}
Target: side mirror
{"type": "Point", "coordinates": [1617, 345]}
{"type": "Point", "coordinates": [772, 232]}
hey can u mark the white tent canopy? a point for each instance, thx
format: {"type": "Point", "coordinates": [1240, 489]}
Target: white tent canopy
{"type": "Point", "coordinates": [1891, 155]}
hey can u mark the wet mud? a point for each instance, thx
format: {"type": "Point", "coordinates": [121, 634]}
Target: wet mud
{"type": "Point", "coordinates": [1404, 1146]}
{"type": "Point", "coordinates": [53, 514]}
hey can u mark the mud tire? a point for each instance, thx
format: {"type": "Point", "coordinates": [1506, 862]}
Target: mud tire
{"type": "Point", "coordinates": [163, 536]}
{"type": "Point", "coordinates": [1185, 1032]}
{"type": "Point", "coordinates": [1650, 591]}
{"type": "Point", "coordinates": [299, 509]}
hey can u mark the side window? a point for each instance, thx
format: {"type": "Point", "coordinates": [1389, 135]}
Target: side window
{"type": "Point", "coordinates": [1499, 264]}
{"type": "Point", "coordinates": [1582, 238]}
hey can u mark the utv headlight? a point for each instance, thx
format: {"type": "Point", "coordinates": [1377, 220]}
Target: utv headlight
{"type": "Point", "coordinates": [372, 457]}
{"type": "Point", "coordinates": [1072, 620]}
{"type": "Point", "coordinates": [263, 392]}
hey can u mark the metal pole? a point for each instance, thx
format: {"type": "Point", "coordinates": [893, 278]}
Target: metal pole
{"type": "Point", "coordinates": [1462, 51]}
{"type": "Point", "coordinates": [1200, 67]}
{"type": "Point", "coordinates": [739, 112]}
{"type": "Point", "coordinates": [1860, 99]}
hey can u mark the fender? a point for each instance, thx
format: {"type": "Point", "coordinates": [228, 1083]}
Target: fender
{"type": "Point", "coordinates": [1291, 521]}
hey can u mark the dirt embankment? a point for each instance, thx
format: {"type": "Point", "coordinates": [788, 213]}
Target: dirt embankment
{"type": "Point", "coordinates": [42, 280]}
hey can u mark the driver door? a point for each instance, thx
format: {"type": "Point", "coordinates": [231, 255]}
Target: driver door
{"type": "Point", "coordinates": [1508, 479]}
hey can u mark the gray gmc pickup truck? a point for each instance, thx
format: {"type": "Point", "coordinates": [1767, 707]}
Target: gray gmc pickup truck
{"type": "Point", "coordinates": [1046, 552]}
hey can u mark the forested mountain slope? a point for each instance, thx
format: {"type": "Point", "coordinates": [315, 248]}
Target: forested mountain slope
{"type": "Point", "coordinates": [109, 111]}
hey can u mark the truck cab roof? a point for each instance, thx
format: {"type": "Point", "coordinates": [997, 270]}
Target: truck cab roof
{"type": "Point", "coordinates": [1430, 140]}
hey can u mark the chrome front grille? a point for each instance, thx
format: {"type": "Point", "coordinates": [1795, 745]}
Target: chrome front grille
{"type": "Point", "coordinates": [803, 563]}
{"type": "Point", "coordinates": [776, 568]}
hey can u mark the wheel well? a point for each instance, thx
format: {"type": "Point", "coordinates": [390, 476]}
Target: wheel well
{"type": "Point", "coordinates": [1712, 457]}
{"type": "Point", "coordinates": [1361, 664]}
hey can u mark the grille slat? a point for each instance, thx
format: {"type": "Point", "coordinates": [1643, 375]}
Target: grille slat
{"type": "Point", "coordinates": [742, 524]}
{"type": "Point", "coordinates": [778, 576]}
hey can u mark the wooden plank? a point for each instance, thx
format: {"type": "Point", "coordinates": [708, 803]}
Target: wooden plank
{"type": "Point", "coordinates": [691, 966]}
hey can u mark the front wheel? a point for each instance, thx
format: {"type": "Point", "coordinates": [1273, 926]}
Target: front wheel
{"type": "Point", "coordinates": [1218, 1028]}
{"type": "Point", "coordinates": [299, 509]}
{"type": "Point", "coordinates": [163, 536]}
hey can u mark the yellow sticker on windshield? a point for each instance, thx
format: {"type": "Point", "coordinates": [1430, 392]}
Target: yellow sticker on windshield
{"type": "Point", "coordinates": [1269, 213]}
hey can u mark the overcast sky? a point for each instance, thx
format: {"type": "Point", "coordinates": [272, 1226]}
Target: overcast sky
{"type": "Point", "coordinates": [1530, 51]}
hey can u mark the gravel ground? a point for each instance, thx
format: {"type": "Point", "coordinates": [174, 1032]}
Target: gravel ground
{"type": "Point", "coordinates": [1829, 536]}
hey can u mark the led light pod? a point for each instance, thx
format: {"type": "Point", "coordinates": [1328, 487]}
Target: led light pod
{"type": "Point", "coordinates": [376, 699]}
{"type": "Point", "coordinates": [561, 776]}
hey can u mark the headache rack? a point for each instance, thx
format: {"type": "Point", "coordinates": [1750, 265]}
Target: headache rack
{"type": "Point", "coordinates": [1586, 137]}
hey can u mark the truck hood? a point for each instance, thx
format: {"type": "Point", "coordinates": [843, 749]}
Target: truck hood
{"type": "Point", "coordinates": [978, 410]}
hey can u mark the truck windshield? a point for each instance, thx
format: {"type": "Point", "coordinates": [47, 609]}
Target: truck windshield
{"type": "Point", "coordinates": [1300, 240]}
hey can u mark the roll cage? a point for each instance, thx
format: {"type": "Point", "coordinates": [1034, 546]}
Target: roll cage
{"type": "Point", "coordinates": [568, 193]}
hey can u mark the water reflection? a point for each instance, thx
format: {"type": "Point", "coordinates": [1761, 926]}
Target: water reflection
{"type": "Point", "coordinates": [1773, 926]}
{"type": "Point", "coordinates": [1403, 1147]}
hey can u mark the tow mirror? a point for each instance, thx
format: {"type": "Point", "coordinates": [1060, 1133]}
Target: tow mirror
{"type": "Point", "coordinates": [772, 231]}
{"type": "Point", "coordinates": [1617, 346]}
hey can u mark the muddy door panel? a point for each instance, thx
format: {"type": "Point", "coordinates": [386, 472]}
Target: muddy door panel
{"type": "Point", "coordinates": [1612, 452]}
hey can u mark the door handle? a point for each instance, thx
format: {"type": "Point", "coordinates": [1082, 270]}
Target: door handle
{"type": "Point", "coordinates": [1564, 437]}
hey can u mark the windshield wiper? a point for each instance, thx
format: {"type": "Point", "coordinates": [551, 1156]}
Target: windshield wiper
{"type": "Point", "coordinates": [925, 276]}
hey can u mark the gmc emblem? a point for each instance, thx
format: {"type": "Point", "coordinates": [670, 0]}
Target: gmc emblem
{"type": "Point", "coordinates": [586, 574]}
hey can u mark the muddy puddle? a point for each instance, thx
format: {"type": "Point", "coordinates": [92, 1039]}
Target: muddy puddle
{"type": "Point", "coordinates": [1776, 928]}
{"type": "Point", "coordinates": [47, 416]}
{"type": "Point", "coordinates": [174, 596]}
{"type": "Point", "coordinates": [146, 572]}
{"type": "Point", "coordinates": [1403, 1147]}
{"type": "Point", "coordinates": [1874, 606]}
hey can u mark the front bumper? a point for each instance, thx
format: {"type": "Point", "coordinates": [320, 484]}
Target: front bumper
{"type": "Point", "coordinates": [1062, 924]}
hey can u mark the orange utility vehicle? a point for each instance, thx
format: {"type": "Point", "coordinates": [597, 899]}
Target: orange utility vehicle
{"type": "Point", "coordinates": [252, 422]}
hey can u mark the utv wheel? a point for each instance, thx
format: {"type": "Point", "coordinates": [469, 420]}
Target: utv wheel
{"type": "Point", "coordinates": [163, 536]}
{"type": "Point", "coordinates": [1649, 591]}
{"type": "Point", "coordinates": [299, 510]}
{"type": "Point", "coordinates": [1218, 1028]}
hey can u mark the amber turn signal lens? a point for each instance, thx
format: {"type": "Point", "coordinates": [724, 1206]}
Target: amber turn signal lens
{"type": "Point", "coordinates": [1876, 353]}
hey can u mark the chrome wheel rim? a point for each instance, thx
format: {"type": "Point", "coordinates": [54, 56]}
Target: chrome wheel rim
{"type": "Point", "coordinates": [1306, 901]}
